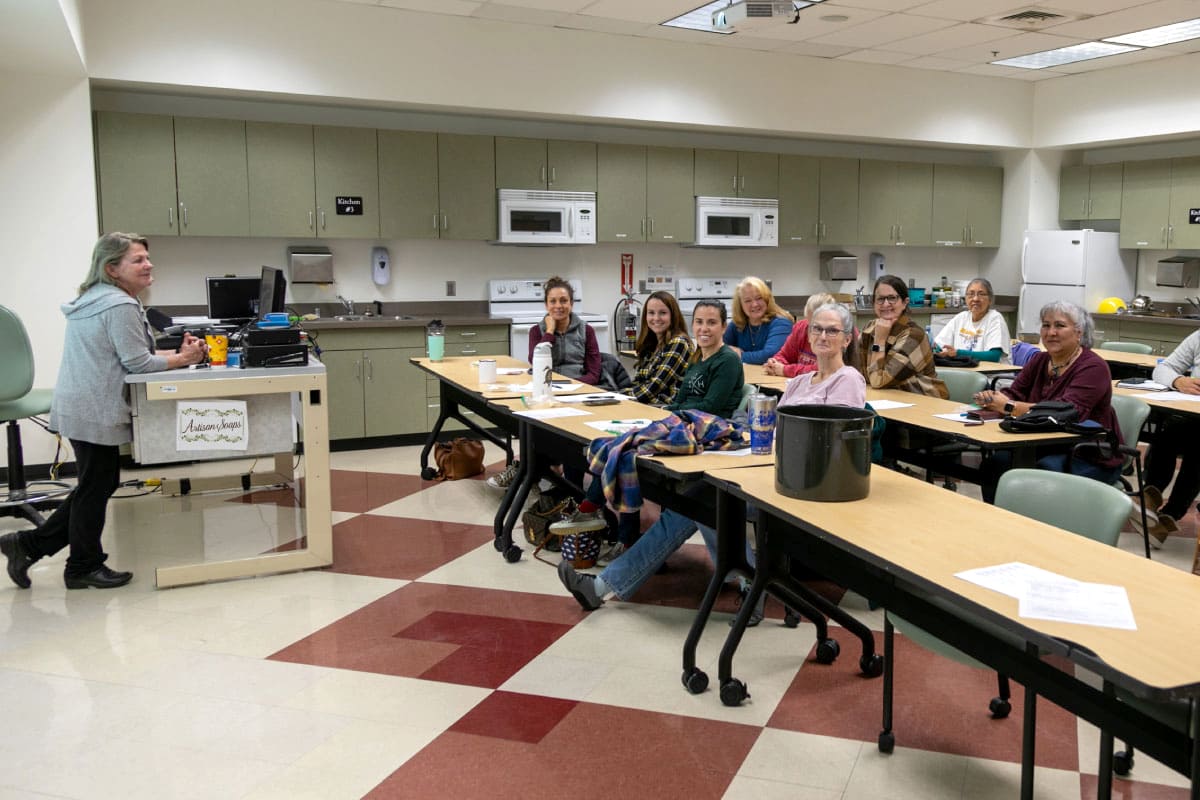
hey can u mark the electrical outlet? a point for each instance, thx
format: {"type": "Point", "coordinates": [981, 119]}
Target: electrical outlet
{"type": "Point", "coordinates": [451, 288]}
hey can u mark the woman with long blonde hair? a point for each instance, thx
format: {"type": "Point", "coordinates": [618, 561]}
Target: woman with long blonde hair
{"type": "Point", "coordinates": [760, 326]}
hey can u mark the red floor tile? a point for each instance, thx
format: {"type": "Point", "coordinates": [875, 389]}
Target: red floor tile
{"type": "Point", "coordinates": [368, 639]}
{"type": "Point", "coordinates": [594, 752]}
{"type": "Point", "coordinates": [519, 717]}
{"type": "Point", "coordinates": [398, 547]}
{"type": "Point", "coordinates": [364, 491]}
{"type": "Point", "coordinates": [1132, 790]}
{"type": "Point", "coordinates": [940, 705]}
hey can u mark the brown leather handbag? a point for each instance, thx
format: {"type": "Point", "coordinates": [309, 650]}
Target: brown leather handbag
{"type": "Point", "coordinates": [459, 458]}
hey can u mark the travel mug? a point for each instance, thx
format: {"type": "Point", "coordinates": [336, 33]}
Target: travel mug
{"type": "Point", "coordinates": [487, 371]}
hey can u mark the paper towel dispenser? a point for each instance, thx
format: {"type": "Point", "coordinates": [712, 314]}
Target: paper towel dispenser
{"type": "Point", "coordinates": [837, 265]}
{"type": "Point", "coordinates": [310, 264]}
{"type": "Point", "coordinates": [1179, 271]}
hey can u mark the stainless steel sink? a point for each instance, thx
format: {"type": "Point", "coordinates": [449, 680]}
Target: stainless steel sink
{"type": "Point", "coordinates": [370, 317]}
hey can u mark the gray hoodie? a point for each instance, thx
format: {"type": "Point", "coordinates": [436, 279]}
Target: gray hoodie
{"type": "Point", "coordinates": [107, 338]}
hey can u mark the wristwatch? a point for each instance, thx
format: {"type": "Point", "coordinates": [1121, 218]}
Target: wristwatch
{"type": "Point", "coordinates": [1009, 408]}
{"type": "Point", "coordinates": [876, 348]}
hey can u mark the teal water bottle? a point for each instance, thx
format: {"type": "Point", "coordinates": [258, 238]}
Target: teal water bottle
{"type": "Point", "coordinates": [435, 338]}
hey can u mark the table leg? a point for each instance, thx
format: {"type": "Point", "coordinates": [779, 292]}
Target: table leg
{"type": "Point", "coordinates": [1029, 734]}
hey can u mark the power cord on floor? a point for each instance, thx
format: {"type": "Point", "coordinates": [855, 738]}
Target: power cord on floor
{"type": "Point", "coordinates": [151, 485]}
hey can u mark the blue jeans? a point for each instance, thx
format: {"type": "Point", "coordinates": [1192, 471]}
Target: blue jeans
{"type": "Point", "coordinates": [626, 575]}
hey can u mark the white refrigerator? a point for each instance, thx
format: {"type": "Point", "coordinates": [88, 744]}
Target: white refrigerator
{"type": "Point", "coordinates": [1082, 267]}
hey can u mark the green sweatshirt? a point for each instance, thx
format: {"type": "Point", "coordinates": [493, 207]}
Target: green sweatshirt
{"type": "Point", "coordinates": [713, 385]}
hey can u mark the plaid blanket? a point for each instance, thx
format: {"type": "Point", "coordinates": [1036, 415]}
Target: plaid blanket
{"type": "Point", "coordinates": [684, 433]}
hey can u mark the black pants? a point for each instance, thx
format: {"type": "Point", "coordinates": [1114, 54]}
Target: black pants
{"type": "Point", "coordinates": [1175, 437]}
{"type": "Point", "coordinates": [79, 521]}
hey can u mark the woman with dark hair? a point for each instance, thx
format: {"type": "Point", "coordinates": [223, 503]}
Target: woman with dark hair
{"type": "Point", "coordinates": [760, 326]}
{"type": "Point", "coordinates": [713, 382]}
{"type": "Point", "coordinates": [894, 352]}
{"type": "Point", "coordinates": [664, 351]}
{"type": "Point", "coordinates": [576, 353]}
{"type": "Point", "coordinates": [107, 338]}
{"type": "Point", "coordinates": [980, 332]}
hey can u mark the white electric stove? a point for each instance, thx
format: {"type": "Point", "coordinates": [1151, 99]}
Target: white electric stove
{"type": "Point", "coordinates": [689, 291]}
{"type": "Point", "coordinates": [523, 301]}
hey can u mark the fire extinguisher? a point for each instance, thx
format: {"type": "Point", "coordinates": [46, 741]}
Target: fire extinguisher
{"type": "Point", "coordinates": [627, 314]}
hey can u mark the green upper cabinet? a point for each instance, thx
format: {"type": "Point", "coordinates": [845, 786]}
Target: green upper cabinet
{"type": "Point", "coordinates": [346, 164]}
{"type": "Point", "coordinates": [540, 164]}
{"type": "Point", "coordinates": [1185, 196]}
{"type": "Point", "coordinates": [1145, 204]}
{"type": "Point", "coordinates": [670, 195]}
{"type": "Point", "coordinates": [728, 173]}
{"type": "Point", "coordinates": [408, 185]}
{"type": "Point", "coordinates": [895, 203]}
{"type": "Point", "coordinates": [799, 199]}
{"type": "Point", "coordinates": [279, 160]}
{"type": "Point", "coordinates": [620, 193]}
{"type": "Point", "coordinates": [210, 168]}
{"type": "Point", "coordinates": [135, 159]}
{"type": "Point", "coordinates": [467, 186]}
{"type": "Point", "coordinates": [838, 182]}
{"type": "Point", "coordinates": [1090, 192]}
{"type": "Point", "coordinates": [966, 205]}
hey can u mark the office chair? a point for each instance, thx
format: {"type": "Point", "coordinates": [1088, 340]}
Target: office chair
{"type": "Point", "coordinates": [1128, 347]}
{"type": "Point", "coordinates": [1071, 502]}
{"type": "Point", "coordinates": [18, 401]}
{"type": "Point", "coordinates": [962, 384]}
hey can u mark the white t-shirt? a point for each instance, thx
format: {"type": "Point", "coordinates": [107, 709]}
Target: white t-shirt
{"type": "Point", "coordinates": [963, 333]}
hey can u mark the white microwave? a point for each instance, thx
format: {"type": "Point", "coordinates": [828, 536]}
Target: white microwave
{"type": "Point", "coordinates": [535, 217]}
{"type": "Point", "coordinates": [737, 222]}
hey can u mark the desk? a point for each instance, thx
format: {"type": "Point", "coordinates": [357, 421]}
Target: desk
{"type": "Point", "coordinates": [754, 373]}
{"type": "Point", "coordinates": [909, 567]}
{"type": "Point", "coordinates": [309, 384]}
{"type": "Point", "coordinates": [1155, 401]}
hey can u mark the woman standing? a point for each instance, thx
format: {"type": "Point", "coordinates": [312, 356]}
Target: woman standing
{"type": "Point", "coordinates": [576, 352]}
{"type": "Point", "coordinates": [796, 355]}
{"type": "Point", "coordinates": [107, 338]}
{"type": "Point", "coordinates": [895, 353]}
{"type": "Point", "coordinates": [759, 327]}
{"type": "Point", "coordinates": [663, 349]}
{"type": "Point", "coordinates": [980, 332]}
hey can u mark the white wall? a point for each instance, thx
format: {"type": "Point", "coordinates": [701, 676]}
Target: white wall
{"type": "Point", "coordinates": [47, 214]}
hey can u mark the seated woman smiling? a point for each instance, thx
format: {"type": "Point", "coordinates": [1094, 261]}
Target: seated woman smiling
{"type": "Point", "coordinates": [894, 351]}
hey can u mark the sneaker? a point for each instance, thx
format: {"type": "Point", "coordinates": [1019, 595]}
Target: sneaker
{"type": "Point", "coordinates": [579, 522]}
{"type": "Point", "coordinates": [581, 586]}
{"type": "Point", "coordinates": [757, 616]}
{"type": "Point", "coordinates": [1163, 528]}
{"type": "Point", "coordinates": [610, 553]}
{"type": "Point", "coordinates": [504, 479]}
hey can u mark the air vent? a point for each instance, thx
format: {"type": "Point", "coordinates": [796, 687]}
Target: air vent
{"type": "Point", "coordinates": [1031, 18]}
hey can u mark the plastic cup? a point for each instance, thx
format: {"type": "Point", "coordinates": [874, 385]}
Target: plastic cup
{"type": "Point", "coordinates": [218, 348]}
{"type": "Point", "coordinates": [487, 371]}
{"type": "Point", "coordinates": [437, 347]}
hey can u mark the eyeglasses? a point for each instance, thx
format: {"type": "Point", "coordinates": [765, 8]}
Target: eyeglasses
{"type": "Point", "coordinates": [817, 330]}
{"type": "Point", "coordinates": [977, 295]}
{"type": "Point", "coordinates": [887, 300]}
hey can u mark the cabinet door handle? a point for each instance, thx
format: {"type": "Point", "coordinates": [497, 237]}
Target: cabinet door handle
{"type": "Point", "coordinates": [170, 216]}
{"type": "Point", "coordinates": [1170, 233]}
{"type": "Point", "coordinates": [543, 173]}
{"type": "Point", "coordinates": [734, 185]}
{"type": "Point", "coordinates": [322, 211]}
{"type": "Point", "coordinates": [445, 222]}
{"type": "Point", "coordinates": [370, 368]}
{"type": "Point", "coordinates": [651, 226]}
{"type": "Point", "coordinates": [183, 215]}
{"type": "Point", "coordinates": [469, 351]}
{"type": "Point", "coordinates": [310, 220]}
{"type": "Point", "coordinates": [822, 230]}
{"type": "Point", "coordinates": [358, 371]}
{"type": "Point", "coordinates": [553, 175]}
{"type": "Point", "coordinates": [435, 225]}
{"type": "Point", "coordinates": [892, 233]}
{"type": "Point", "coordinates": [1162, 234]}
{"type": "Point", "coordinates": [899, 232]}
{"type": "Point", "coordinates": [816, 230]}
{"type": "Point", "coordinates": [971, 234]}
{"type": "Point", "coordinates": [468, 334]}
{"type": "Point", "coordinates": [742, 182]}
{"type": "Point", "coordinates": [643, 227]}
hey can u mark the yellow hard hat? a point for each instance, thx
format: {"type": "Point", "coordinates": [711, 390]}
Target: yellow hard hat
{"type": "Point", "coordinates": [1110, 305]}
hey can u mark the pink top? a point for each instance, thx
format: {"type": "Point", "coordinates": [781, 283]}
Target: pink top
{"type": "Point", "coordinates": [846, 387]}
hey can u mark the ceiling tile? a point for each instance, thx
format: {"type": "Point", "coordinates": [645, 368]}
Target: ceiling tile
{"type": "Point", "coordinates": [563, 6]}
{"type": "Point", "coordinates": [649, 11]}
{"type": "Point", "coordinates": [1019, 45]}
{"type": "Point", "coordinates": [811, 26]}
{"type": "Point", "coordinates": [585, 22]}
{"type": "Point", "coordinates": [967, 10]}
{"type": "Point", "coordinates": [522, 14]}
{"type": "Point", "coordinates": [1150, 15]}
{"type": "Point", "coordinates": [877, 5]}
{"type": "Point", "coordinates": [461, 8]}
{"type": "Point", "coordinates": [875, 57]}
{"type": "Point", "coordinates": [959, 36]}
{"type": "Point", "coordinates": [1015, 73]}
{"type": "Point", "coordinates": [817, 50]}
{"type": "Point", "coordinates": [884, 30]}
{"type": "Point", "coordinates": [935, 63]}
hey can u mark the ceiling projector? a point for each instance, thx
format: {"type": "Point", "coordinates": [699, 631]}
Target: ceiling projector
{"type": "Point", "coordinates": [752, 13]}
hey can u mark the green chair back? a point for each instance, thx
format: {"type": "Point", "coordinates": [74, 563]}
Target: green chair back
{"type": "Point", "coordinates": [1132, 413]}
{"type": "Point", "coordinates": [16, 357]}
{"type": "Point", "coordinates": [1072, 502]}
{"type": "Point", "coordinates": [748, 390]}
{"type": "Point", "coordinates": [962, 384]}
{"type": "Point", "coordinates": [1129, 347]}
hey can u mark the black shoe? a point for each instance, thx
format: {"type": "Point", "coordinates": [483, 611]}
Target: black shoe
{"type": "Point", "coordinates": [102, 578]}
{"type": "Point", "coordinates": [19, 561]}
{"type": "Point", "coordinates": [755, 617]}
{"type": "Point", "coordinates": [582, 586]}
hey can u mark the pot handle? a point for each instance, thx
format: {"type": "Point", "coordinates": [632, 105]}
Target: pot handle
{"type": "Point", "coordinates": [863, 433]}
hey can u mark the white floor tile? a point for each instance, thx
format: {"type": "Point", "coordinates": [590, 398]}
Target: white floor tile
{"type": "Point", "coordinates": [1000, 780]}
{"type": "Point", "coordinates": [907, 775]}
{"type": "Point", "coordinates": [802, 759]}
{"type": "Point", "coordinates": [388, 698]}
{"type": "Point", "coordinates": [746, 788]}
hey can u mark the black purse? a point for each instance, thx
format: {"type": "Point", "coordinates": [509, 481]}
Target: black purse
{"type": "Point", "coordinates": [1048, 416]}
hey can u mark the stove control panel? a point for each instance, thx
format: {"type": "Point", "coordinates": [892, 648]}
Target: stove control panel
{"type": "Point", "coordinates": [518, 290]}
{"type": "Point", "coordinates": [697, 288]}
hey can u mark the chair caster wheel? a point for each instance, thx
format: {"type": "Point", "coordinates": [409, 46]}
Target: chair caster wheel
{"type": "Point", "coordinates": [999, 707]}
{"type": "Point", "coordinates": [951, 485]}
{"type": "Point", "coordinates": [872, 665]}
{"type": "Point", "coordinates": [791, 619]}
{"type": "Point", "coordinates": [695, 680]}
{"type": "Point", "coordinates": [428, 473]}
{"type": "Point", "coordinates": [498, 544]}
{"type": "Point", "coordinates": [827, 651]}
{"type": "Point", "coordinates": [1122, 762]}
{"type": "Point", "coordinates": [887, 742]}
{"type": "Point", "coordinates": [733, 692]}
{"type": "Point", "coordinates": [512, 554]}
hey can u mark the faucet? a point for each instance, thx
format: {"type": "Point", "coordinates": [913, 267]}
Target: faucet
{"type": "Point", "coordinates": [348, 304]}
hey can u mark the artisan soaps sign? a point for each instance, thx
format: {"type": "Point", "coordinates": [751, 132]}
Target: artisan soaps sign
{"type": "Point", "coordinates": [213, 425]}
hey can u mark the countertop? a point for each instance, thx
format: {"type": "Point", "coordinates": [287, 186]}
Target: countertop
{"type": "Point", "coordinates": [917, 311]}
{"type": "Point", "coordinates": [385, 321]}
{"type": "Point", "coordinates": [1178, 322]}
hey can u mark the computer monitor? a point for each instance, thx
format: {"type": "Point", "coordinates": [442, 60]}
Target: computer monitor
{"type": "Point", "coordinates": [271, 291]}
{"type": "Point", "coordinates": [233, 298]}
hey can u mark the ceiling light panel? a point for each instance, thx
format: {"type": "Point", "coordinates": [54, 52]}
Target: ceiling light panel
{"type": "Point", "coordinates": [699, 19]}
{"type": "Point", "coordinates": [1065, 55]}
{"type": "Point", "coordinates": [1164, 34]}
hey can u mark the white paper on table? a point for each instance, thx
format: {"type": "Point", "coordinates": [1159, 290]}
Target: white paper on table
{"type": "Point", "coordinates": [1190, 398]}
{"type": "Point", "coordinates": [579, 398]}
{"type": "Point", "coordinates": [558, 387]}
{"type": "Point", "coordinates": [743, 452]}
{"type": "Point", "coordinates": [1148, 386]}
{"type": "Point", "coordinates": [1099, 604]}
{"type": "Point", "coordinates": [510, 371]}
{"type": "Point", "coordinates": [1012, 579]}
{"type": "Point", "coordinates": [960, 417]}
{"type": "Point", "coordinates": [886, 404]}
{"type": "Point", "coordinates": [551, 413]}
{"type": "Point", "coordinates": [618, 426]}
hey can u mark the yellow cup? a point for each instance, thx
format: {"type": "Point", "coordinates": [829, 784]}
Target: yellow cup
{"type": "Point", "coordinates": [218, 348]}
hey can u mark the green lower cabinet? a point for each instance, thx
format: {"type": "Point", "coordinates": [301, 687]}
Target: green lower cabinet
{"type": "Point", "coordinates": [343, 369]}
{"type": "Point", "coordinates": [393, 400]}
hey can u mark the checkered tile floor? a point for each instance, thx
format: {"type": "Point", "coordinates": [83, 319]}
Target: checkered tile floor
{"type": "Point", "coordinates": [422, 665]}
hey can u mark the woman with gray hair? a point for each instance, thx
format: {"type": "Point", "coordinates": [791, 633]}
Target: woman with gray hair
{"type": "Point", "coordinates": [980, 332]}
{"type": "Point", "coordinates": [1066, 371]}
{"type": "Point", "coordinates": [107, 338]}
